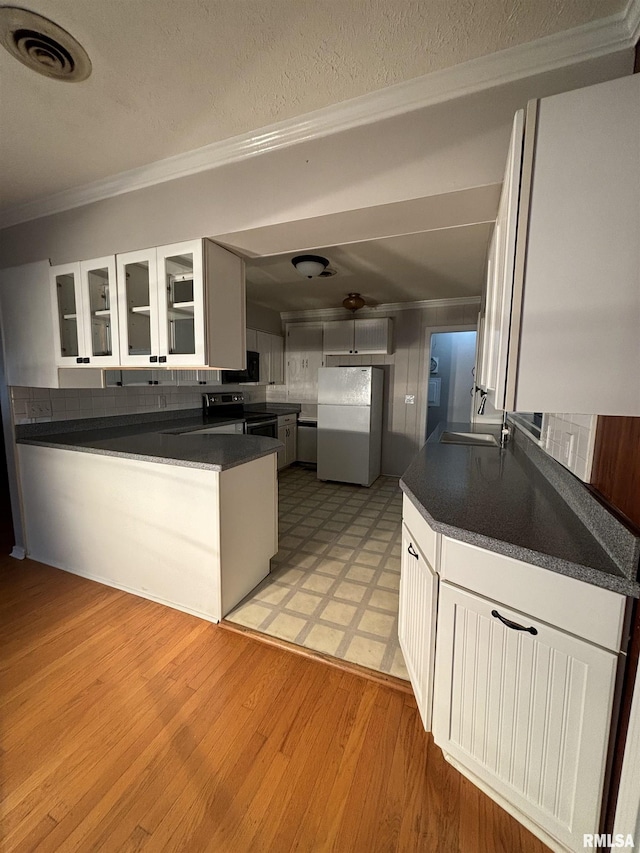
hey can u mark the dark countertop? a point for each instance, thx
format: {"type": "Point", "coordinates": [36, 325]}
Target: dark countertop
{"type": "Point", "coordinates": [273, 408]}
{"type": "Point", "coordinates": [157, 440]}
{"type": "Point", "coordinates": [503, 502]}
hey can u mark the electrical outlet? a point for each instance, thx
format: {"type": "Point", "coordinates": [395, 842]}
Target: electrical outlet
{"type": "Point", "coordinates": [39, 409]}
{"type": "Point", "coordinates": [162, 401]}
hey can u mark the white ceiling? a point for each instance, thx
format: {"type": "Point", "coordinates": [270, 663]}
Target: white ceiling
{"type": "Point", "coordinates": [173, 75]}
{"type": "Point", "coordinates": [444, 264]}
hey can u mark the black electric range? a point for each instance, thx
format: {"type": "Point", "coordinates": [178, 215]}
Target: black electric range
{"type": "Point", "coordinates": [231, 405]}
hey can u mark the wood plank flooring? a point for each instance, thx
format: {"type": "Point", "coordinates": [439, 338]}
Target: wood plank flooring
{"type": "Point", "coordinates": [128, 726]}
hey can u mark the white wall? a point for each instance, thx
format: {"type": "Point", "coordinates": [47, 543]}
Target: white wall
{"type": "Point", "coordinates": [264, 319]}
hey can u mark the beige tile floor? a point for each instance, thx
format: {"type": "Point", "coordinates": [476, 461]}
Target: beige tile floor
{"type": "Point", "coordinates": [334, 582]}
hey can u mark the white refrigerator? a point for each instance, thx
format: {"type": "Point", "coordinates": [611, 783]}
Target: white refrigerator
{"type": "Point", "coordinates": [349, 424]}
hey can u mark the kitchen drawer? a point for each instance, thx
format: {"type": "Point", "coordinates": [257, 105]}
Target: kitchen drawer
{"type": "Point", "coordinates": [579, 608]}
{"type": "Point", "coordinates": [286, 420]}
{"type": "Point", "coordinates": [426, 537]}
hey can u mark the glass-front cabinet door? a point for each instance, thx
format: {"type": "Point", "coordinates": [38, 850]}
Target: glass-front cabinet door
{"type": "Point", "coordinates": [181, 303]}
{"type": "Point", "coordinates": [100, 311]}
{"type": "Point", "coordinates": [138, 308]}
{"type": "Point", "coordinates": [67, 308]}
{"type": "Point", "coordinates": [161, 306]}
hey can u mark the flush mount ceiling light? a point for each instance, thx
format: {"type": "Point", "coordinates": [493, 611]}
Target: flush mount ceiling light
{"type": "Point", "coordinates": [311, 266]}
{"type": "Point", "coordinates": [354, 302]}
{"type": "Point", "coordinates": [42, 45]}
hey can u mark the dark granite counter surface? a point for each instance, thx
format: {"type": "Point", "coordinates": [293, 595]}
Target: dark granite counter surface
{"type": "Point", "coordinates": [515, 502]}
{"type": "Point", "coordinates": [274, 408]}
{"type": "Point", "coordinates": [163, 439]}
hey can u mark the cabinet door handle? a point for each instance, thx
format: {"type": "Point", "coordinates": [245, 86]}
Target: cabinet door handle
{"type": "Point", "coordinates": [513, 625]}
{"type": "Point", "coordinates": [162, 358]}
{"type": "Point", "coordinates": [86, 361]}
{"type": "Point", "coordinates": [79, 360]}
{"type": "Point", "coordinates": [153, 359]}
{"type": "Point", "coordinates": [412, 550]}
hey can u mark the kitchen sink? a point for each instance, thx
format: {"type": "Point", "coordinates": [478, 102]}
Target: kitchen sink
{"type": "Point", "coordinates": [480, 439]}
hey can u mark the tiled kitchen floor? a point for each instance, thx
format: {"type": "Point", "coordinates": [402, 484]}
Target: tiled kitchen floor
{"type": "Point", "coordinates": [334, 583]}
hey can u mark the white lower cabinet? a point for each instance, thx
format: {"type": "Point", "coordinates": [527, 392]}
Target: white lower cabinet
{"type": "Point", "coordinates": [525, 709]}
{"type": "Point", "coordinates": [288, 435]}
{"type": "Point", "coordinates": [521, 694]}
{"type": "Point", "coordinates": [417, 621]}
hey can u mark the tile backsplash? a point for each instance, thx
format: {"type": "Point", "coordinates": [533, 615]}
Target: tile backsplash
{"type": "Point", "coordinates": [33, 405]}
{"type": "Point", "coordinates": [570, 440]}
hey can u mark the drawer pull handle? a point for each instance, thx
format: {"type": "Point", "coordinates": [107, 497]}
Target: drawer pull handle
{"type": "Point", "coordinates": [412, 551]}
{"type": "Point", "coordinates": [513, 625]}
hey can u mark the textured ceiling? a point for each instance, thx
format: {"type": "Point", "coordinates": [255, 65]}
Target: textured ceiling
{"type": "Point", "coordinates": [447, 263]}
{"type": "Point", "coordinates": [173, 75]}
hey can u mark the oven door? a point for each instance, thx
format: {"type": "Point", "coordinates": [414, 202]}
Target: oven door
{"type": "Point", "coordinates": [267, 426]}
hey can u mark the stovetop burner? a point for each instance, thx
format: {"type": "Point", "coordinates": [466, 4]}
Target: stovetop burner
{"type": "Point", "coordinates": [230, 405]}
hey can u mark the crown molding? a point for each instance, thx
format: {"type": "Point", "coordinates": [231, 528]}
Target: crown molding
{"type": "Point", "coordinates": [372, 311]}
{"type": "Point", "coordinates": [568, 47]}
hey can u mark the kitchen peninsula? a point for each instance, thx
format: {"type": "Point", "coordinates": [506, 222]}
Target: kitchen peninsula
{"type": "Point", "coordinates": [186, 520]}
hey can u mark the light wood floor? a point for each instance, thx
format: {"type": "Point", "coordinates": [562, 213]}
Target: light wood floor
{"type": "Point", "coordinates": [129, 726]}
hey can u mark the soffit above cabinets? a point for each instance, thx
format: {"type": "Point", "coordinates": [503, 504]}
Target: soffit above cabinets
{"type": "Point", "coordinates": [171, 77]}
{"type": "Point", "coordinates": [424, 248]}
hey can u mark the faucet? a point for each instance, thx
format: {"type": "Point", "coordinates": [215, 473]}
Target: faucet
{"type": "Point", "coordinates": [483, 400]}
{"type": "Point", "coordinates": [505, 432]}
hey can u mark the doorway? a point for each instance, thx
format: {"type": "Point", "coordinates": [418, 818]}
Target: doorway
{"type": "Point", "coordinates": [451, 380]}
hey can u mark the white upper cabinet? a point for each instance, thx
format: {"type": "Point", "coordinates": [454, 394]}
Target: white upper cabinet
{"type": "Point", "coordinates": [67, 302]}
{"type": "Point", "coordinates": [85, 313]}
{"type": "Point", "coordinates": [138, 298]}
{"type": "Point", "coordinates": [276, 372]}
{"type": "Point", "coordinates": [372, 337]}
{"type": "Point", "coordinates": [182, 305]}
{"type": "Point", "coordinates": [583, 255]}
{"type": "Point", "coordinates": [100, 311]}
{"type": "Point", "coordinates": [567, 339]}
{"type": "Point", "coordinates": [497, 312]}
{"type": "Point", "coordinates": [271, 350]}
{"type": "Point", "coordinates": [304, 357]}
{"type": "Point", "coordinates": [337, 337]}
{"type": "Point", "coordinates": [357, 337]}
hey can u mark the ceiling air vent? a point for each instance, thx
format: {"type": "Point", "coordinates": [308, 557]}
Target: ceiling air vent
{"type": "Point", "coordinates": [42, 45]}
